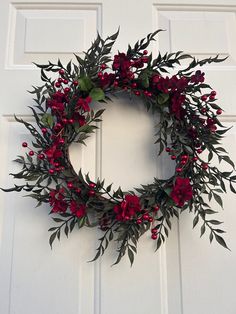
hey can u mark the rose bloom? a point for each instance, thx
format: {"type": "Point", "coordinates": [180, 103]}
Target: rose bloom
{"type": "Point", "coordinates": [182, 191]}
{"type": "Point", "coordinates": [127, 208]}
{"type": "Point", "coordinates": [53, 153]}
{"type": "Point", "coordinates": [77, 209]}
{"type": "Point", "coordinates": [57, 201]}
{"type": "Point", "coordinates": [83, 103]}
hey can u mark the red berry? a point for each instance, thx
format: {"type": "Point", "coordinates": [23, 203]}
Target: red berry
{"type": "Point", "coordinates": [78, 190]}
{"type": "Point", "coordinates": [184, 157]}
{"type": "Point", "coordinates": [44, 130]}
{"type": "Point", "coordinates": [150, 219]}
{"type": "Point", "coordinates": [199, 151]}
{"type": "Point", "coordinates": [134, 85]}
{"type": "Point", "coordinates": [173, 157]}
{"type": "Point", "coordinates": [61, 72]}
{"type": "Point", "coordinates": [115, 83]}
{"type": "Point", "coordinates": [41, 156]}
{"type": "Point", "coordinates": [61, 141]}
{"type": "Point", "coordinates": [183, 162]}
{"type": "Point", "coordinates": [204, 97]}
{"type": "Point", "coordinates": [91, 193]}
{"type": "Point", "coordinates": [64, 121]}
{"type": "Point", "coordinates": [71, 121]}
{"type": "Point", "coordinates": [154, 230]}
{"type": "Point", "coordinates": [127, 218]}
{"type": "Point", "coordinates": [103, 66]}
{"type": "Point", "coordinates": [51, 171]}
{"type": "Point", "coordinates": [137, 93]}
{"type": "Point", "coordinates": [145, 52]}
{"type": "Point", "coordinates": [60, 80]}
{"type": "Point", "coordinates": [100, 74]}
{"type": "Point", "coordinates": [156, 208]}
{"type": "Point", "coordinates": [219, 111]}
{"type": "Point", "coordinates": [65, 81]}
{"type": "Point", "coordinates": [57, 84]}
{"type": "Point", "coordinates": [203, 110]}
{"type": "Point", "coordinates": [211, 97]}
{"type": "Point", "coordinates": [204, 166]}
{"type": "Point", "coordinates": [56, 164]}
{"type": "Point", "coordinates": [195, 158]}
{"type": "Point", "coordinates": [58, 126]}
{"type": "Point", "coordinates": [24, 144]}
{"type": "Point", "coordinates": [31, 153]}
{"type": "Point", "coordinates": [178, 170]}
{"type": "Point", "coordinates": [213, 128]}
{"type": "Point", "coordinates": [75, 83]}
{"type": "Point", "coordinates": [154, 236]}
{"type": "Point", "coordinates": [139, 221]}
{"type": "Point", "coordinates": [149, 94]}
{"type": "Point", "coordinates": [145, 59]}
{"type": "Point", "coordinates": [213, 93]}
{"type": "Point", "coordinates": [67, 89]}
{"type": "Point", "coordinates": [70, 185]}
{"type": "Point", "coordinates": [92, 185]}
{"type": "Point", "coordinates": [145, 217]}
{"type": "Point", "coordinates": [168, 149]}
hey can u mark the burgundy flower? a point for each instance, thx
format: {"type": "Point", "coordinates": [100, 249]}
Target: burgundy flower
{"type": "Point", "coordinates": [198, 77]}
{"type": "Point", "coordinates": [182, 191]}
{"type": "Point", "coordinates": [57, 201]}
{"type": "Point", "coordinates": [177, 101]}
{"type": "Point", "coordinates": [122, 64]}
{"type": "Point", "coordinates": [127, 208]}
{"type": "Point", "coordinates": [79, 118]}
{"type": "Point", "coordinates": [59, 96]}
{"type": "Point", "coordinates": [53, 152]}
{"type": "Point", "coordinates": [138, 63]}
{"type": "Point", "coordinates": [77, 209]}
{"type": "Point", "coordinates": [83, 103]}
{"type": "Point", "coordinates": [107, 79]}
{"type": "Point", "coordinates": [55, 105]}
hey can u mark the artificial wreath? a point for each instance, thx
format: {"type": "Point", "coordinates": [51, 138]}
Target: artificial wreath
{"type": "Point", "coordinates": [188, 126]}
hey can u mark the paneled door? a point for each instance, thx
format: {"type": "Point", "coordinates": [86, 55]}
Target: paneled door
{"type": "Point", "coordinates": [187, 275]}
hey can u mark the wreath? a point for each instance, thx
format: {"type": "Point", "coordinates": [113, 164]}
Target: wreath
{"type": "Point", "coordinates": [188, 126]}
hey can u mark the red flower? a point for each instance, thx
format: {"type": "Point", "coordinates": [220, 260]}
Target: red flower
{"type": "Point", "coordinates": [78, 117]}
{"type": "Point", "coordinates": [59, 96]}
{"type": "Point", "coordinates": [53, 153]}
{"type": "Point", "coordinates": [121, 63]}
{"type": "Point", "coordinates": [77, 209]}
{"type": "Point", "coordinates": [127, 208]}
{"type": "Point", "coordinates": [107, 79]}
{"type": "Point", "coordinates": [182, 191]}
{"type": "Point", "coordinates": [83, 103]}
{"type": "Point", "coordinates": [55, 105]}
{"type": "Point", "coordinates": [57, 200]}
{"type": "Point", "coordinates": [176, 105]}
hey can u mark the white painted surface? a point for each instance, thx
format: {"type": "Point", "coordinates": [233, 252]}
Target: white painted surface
{"type": "Point", "coordinates": [187, 276]}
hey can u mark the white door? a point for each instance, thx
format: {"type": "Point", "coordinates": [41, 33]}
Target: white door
{"type": "Point", "coordinates": [188, 275]}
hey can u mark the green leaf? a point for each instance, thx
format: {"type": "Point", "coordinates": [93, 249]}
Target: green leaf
{"type": "Point", "coordinates": [144, 78]}
{"type": "Point", "coordinates": [221, 241]}
{"type": "Point", "coordinates": [131, 256]}
{"type": "Point", "coordinates": [52, 238]}
{"type": "Point", "coordinates": [218, 199]}
{"type": "Point", "coordinates": [203, 229]}
{"type": "Point", "coordinates": [85, 83]}
{"type": "Point", "coordinates": [162, 98]}
{"type": "Point", "coordinates": [195, 221]}
{"type": "Point", "coordinates": [47, 120]}
{"type": "Point", "coordinates": [97, 94]}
